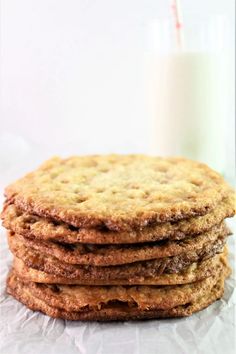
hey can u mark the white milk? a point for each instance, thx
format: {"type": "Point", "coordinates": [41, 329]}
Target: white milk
{"type": "Point", "coordinates": [189, 106]}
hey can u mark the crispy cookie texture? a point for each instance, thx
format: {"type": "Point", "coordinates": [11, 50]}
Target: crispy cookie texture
{"type": "Point", "coordinates": [98, 306]}
{"type": "Point", "coordinates": [46, 229]}
{"type": "Point", "coordinates": [119, 192]}
{"type": "Point", "coordinates": [145, 273]}
{"type": "Point", "coordinates": [77, 298]}
{"type": "Point", "coordinates": [104, 255]}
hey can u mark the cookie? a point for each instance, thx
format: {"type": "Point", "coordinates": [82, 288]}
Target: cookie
{"type": "Point", "coordinates": [132, 272]}
{"type": "Point", "coordinates": [46, 229]}
{"type": "Point", "coordinates": [104, 255]}
{"type": "Point", "coordinates": [119, 192]}
{"type": "Point", "coordinates": [143, 273]}
{"type": "Point", "coordinates": [151, 302]}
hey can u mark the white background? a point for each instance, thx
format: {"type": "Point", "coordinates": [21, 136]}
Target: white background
{"type": "Point", "coordinates": [73, 75]}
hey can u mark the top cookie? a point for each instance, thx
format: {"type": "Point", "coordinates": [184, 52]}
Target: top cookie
{"type": "Point", "coordinates": [118, 192]}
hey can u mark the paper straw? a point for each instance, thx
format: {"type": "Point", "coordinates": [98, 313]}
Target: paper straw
{"type": "Point", "coordinates": [178, 24]}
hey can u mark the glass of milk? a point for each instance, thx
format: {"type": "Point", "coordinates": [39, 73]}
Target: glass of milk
{"type": "Point", "coordinates": [189, 91]}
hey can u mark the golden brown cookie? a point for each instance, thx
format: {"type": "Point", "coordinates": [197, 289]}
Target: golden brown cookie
{"type": "Point", "coordinates": [142, 273]}
{"type": "Point", "coordinates": [46, 229]}
{"type": "Point", "coordinates": [116, 303]}
{"type": "Point", "coordinates": [119, 192]}
{"type": "Point", "coordinates": [104, 255]}
{"type": "Point", "coordinates": [137, 272]}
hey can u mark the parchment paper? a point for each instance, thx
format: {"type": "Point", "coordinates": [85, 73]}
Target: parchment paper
{"type": "Point", "coordinates": [25, 332]}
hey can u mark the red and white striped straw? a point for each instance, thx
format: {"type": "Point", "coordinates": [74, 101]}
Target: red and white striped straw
{"type": "Point", "coordinates": [178, 24]}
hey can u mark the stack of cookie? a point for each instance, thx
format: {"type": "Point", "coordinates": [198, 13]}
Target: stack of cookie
{"type": "Point", "coordinates": [118, 237]}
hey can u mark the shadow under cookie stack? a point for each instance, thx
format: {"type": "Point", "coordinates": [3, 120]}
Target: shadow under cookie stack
{"type": "Point", "coordinates": [118, 237]}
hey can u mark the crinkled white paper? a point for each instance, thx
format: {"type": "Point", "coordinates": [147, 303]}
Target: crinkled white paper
{"type": "Point", "coordinates": [22, 331]}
